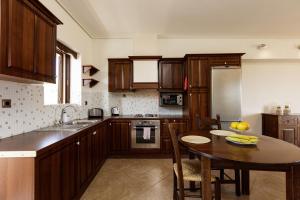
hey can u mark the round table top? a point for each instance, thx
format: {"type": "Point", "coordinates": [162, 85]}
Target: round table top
{"type": "Point", "coordinates": [268, 151]}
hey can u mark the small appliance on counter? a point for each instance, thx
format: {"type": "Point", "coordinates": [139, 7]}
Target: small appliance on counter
{"type": "Point", "coordinates": [115, 111]}
{"type": "Point", "coordinates": [95, 113]}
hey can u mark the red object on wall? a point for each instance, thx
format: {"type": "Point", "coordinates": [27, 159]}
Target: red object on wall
{"type": "Point", "coordinates": [185, 83]}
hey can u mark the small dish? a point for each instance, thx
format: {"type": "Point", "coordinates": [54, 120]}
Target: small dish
{"type": "Point", "coordinates": [221, 133]}
{"type": "Point", "coordinates": [195, 139]}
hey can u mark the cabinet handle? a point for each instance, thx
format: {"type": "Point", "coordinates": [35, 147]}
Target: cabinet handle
{"type": "Point", "coordinates": [110, 124]}
{"type": "Point", "coordinates": [225, 63]}
{"type": "Point", "coordinates": [78, 143]}
{"type": "Point", "coordinates": [160, 87]}
{"type": "Point", "coordinates": [190, 86]}
{"type": "Point", "coordinates": [190, 94]}
{"type": "Point", "coordinates": [95, 132]}
{"type": "Point", "coordinates": [129, 124]}
{"type": "Point", "coordinates": [174, 120]}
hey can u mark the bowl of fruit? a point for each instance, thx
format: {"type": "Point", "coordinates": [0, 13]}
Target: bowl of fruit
{"type": "Point", "coordinates": [239, 126]}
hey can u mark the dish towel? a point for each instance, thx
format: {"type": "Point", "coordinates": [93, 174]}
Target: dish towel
{"type": "Point", "coordinates": [147, 133]}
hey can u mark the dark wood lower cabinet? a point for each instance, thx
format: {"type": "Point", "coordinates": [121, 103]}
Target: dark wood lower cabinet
{"type": "Point", "coordinates": [166, 144]}
{"type": "Point", "coordinates": [119, 137]}
{"type": "Point", "coordinates": [284, 127]}
{"type": "Point", "coordinates": [65, 173]}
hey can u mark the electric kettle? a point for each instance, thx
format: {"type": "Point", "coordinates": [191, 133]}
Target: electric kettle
{"type": "Point", "coordinates": [115, 111]}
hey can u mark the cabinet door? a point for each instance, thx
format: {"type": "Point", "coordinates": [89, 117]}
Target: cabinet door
{"type": "Point", "coordinates": [85, 157]}
{"type": "Point", "coordinates": [120, 137]}
{"type": "Point", "coordinates": [289, 134]}
{"type": "Point", "coordinates": [166, 146]}
{"type": "Point", "coordinates": [49, 177]}
{"type": "Point", "coordinates": [20, 19]}
{"type": "Point", "coordinates": [120, 75]}
{"type": "Point", "coordinates": [99, 146]}
{"type": "Point", "coordinates": [69, 173]}
{"type": "Point", "coordinates": [45, 49]}
{"type": "Point", "coordinates": [198, 107]}
{"type": "Point", "coordinates": [57, 174]}
{"type": "Point", "coordinates": [171, 75]}
{"type": "Point", "coordinates": [198, 73]}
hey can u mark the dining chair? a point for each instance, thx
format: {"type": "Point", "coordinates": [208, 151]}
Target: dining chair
{"type": "Point", "coordinates": [215, 124]}
{"type": "Point", "coordinates": [187, 170]}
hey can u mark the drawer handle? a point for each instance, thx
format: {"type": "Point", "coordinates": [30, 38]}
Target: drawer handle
{"type": "Point", "coordinates": [78, 143]}
{"type": "Point", "coordinates": [95, 132]}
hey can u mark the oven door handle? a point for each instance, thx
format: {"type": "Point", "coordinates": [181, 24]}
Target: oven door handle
{"type": "Point", "coordinates": [136, 127]}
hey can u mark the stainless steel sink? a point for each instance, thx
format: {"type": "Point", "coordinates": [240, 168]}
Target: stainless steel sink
{"type": "Point", "coordinates": [70, 126]}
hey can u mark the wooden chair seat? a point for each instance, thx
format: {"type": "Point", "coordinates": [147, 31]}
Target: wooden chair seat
{"type": "Point", "coordinates": [191, 170]}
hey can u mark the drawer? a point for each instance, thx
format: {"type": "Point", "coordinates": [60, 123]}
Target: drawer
{"type": "Point", "coordinates": [288, 120]}
{"type": "Point", "coordinates": [228, 60]}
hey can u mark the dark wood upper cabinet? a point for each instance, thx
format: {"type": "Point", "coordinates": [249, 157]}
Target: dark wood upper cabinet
{"type": "Point", "coordinates": [28, 41]}
{"type": "Point", "coordinates": [120, 75]}
{"type": "Point", "coordinates": [171, 74]}
{"type": "Point", "coordinates": [198, 71]}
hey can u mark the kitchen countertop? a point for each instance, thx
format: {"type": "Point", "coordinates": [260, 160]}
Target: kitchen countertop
{"type": "Point", "coordinates": [33, 143]}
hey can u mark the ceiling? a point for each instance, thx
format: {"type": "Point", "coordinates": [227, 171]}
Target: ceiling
{"type": "Point", "coordinates": [187, 18]}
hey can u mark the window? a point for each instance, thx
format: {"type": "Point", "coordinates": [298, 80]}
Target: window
{"type": "Point", "coordinates": [68, 75]}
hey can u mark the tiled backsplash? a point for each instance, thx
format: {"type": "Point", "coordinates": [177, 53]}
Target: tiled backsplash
{"type": "Point", "coordinates": [28, 111]}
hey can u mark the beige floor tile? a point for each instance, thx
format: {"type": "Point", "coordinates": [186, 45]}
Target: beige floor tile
{"type": "Point", "coordinates": [152, 179]}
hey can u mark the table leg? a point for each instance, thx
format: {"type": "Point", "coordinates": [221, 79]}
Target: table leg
{"type": "Point", "coordinates": [293, 183]}
{"type": "Point", "coordinates": [245, 182]}
{"type": "Point", "coordinates": [206, 178]}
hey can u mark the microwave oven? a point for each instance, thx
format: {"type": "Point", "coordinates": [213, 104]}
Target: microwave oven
{"type": "Point", "coordinates": [171, 99]}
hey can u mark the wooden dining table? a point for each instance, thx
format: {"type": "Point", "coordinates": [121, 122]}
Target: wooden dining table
{"type": "Point", "coordinates": [269, 154]}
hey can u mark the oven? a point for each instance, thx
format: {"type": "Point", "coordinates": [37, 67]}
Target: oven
{"type": "Point", "coordinates": [145, 134]}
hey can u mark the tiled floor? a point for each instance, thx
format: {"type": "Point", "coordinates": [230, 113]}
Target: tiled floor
{"type": "Point", "coordinates": [151, 179]}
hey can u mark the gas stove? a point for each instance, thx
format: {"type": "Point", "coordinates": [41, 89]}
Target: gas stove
{"type": "Point", "coordinates": [146, 115]}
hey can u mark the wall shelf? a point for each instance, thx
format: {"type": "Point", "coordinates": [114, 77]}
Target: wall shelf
{"type": "Point", "coordinates": [90, 82]}
{"type": "Point", "coordinates": [89, 68]}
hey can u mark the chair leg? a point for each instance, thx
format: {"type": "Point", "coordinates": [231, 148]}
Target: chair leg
{"type": "Point", "coordinates": [175, 194]}
{"type": "Point", "coordinates": [217, 189]}
{"type": "Point", "coordinates": [222, 174]}
{"type": "Point", "coordinates": [237, 178]}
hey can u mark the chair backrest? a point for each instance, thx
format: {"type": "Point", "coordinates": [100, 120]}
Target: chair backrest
{"type": "Point", "coordinates": [209, 123]}
{"type": "Point", "coordinates": [173, 129]}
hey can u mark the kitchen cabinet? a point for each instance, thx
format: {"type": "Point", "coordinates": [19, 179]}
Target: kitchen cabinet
{"type": "Point", "coordinates": [198, 71]}
{"type": "Point", "coordinates": [119, 137]}
{"type": "Point", "coordinates": [225, 60]}
{"type": "Point", "coordinates": [166, 143]}
{"type": "Point", "coordinates": [99, 146]}
{"type": "Point", "coordinates": [198, 107]}
{"type": "Point", "coordinates": [171, 74]}
{"type": "Point", "coordinates": [120, 75]}
{"type": "Point", "coordinates": [66, 172]}
{"type": "Point", "coordinates": [56, 174]}
{"type": "Point", "coordinates": [284, 127]}
{"type": "Point", "coordinates": [28, 33]}
{"type": "Point", "coordinates": [85, 156]}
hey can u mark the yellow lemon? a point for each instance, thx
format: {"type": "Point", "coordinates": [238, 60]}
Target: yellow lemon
{"type": "Point", "coordinates": [243, 126]}
{"type": "Point", "coordinates": [234, 125]}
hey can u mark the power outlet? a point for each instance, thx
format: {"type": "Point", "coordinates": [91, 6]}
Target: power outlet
{"type": "Point", "coordinates": [6, 103]}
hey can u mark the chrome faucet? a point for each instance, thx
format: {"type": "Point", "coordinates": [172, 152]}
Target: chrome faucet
{"type": "Point", "coordinates": [63, 111]}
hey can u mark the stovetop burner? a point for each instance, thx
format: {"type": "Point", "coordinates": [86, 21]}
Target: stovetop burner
{"type": "Point", "coordinates": [146, 115]}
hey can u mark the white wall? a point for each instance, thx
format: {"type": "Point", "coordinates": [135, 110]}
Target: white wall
{"type": "Point", "coordinates": [270, 76]}
{"type": "Point", "coordinates": [266, 84]}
